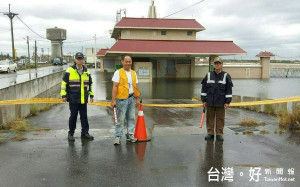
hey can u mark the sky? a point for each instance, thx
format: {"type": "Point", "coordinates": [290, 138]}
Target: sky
{"type": "Point", "coordinates": [255, 25]}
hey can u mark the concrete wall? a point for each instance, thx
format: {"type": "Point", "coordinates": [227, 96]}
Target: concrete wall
{"type": "Point", "coordinates": [156, 34]}
{"type": "Point", "coordinates": [277, 109]}
{"type": "Point", "coordinates": [40, 87]}
{"type": "Point", "coordinates": [265, 62]}
{"type": "Point", "coordinates": [235, 71]}
{"type": "Point", "coordinates": [244, 72]}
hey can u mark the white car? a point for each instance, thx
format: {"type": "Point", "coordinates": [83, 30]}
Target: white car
{"type": "Point", "coordinates": [7, 66]}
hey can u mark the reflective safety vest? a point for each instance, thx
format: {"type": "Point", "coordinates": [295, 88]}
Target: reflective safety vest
{"type": "Point", "coordinates": [75, 87]}
{"type": "Point", "coordinates": [123, 88]}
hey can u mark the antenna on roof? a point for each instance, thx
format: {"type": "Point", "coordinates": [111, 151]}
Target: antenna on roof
{"type": "Point", "coordinates": [119, 14]}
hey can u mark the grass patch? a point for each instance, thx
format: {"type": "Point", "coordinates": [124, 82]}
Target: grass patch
{"type": "Point", "coordinates": [33, 110]}
{"type": "Point", "coordinates": [18, 138]}
{"type": "Point", "coordinates": [18, 125]}
{"type": "Point", "coordinates": [280, 131]}
{"type": "Point", "coordinates": [264, 132]}
{"type": "Point", "coordinates": [40, 129]}
{"type": "Point", "coordinates": [1, 138]}
{"type": "Point", "coordinates": [46, 108]}
{"type": "Point", "coordinates": [247, 132]}
{"type": "Point", "coordinates": [291, 121]}
{"type": "Point", "coordinates": [250, 123]}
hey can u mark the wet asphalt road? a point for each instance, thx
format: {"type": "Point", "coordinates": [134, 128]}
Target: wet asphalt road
{"type": "Point", "coordinates": [12, 78]}
{"type": "Point", "coordinates": [176, 156]}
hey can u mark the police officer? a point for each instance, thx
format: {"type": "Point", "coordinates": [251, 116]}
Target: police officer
{"type": "Point", "coordinates": [216, 95]}
{"type": "Point", "coordinates": [76, 87]}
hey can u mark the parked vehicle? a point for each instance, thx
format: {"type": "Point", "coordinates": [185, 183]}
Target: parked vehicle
{"type": "Point", "coordinates": [7, 66]}
{"type": "Point", "coordinates": [57, 61]}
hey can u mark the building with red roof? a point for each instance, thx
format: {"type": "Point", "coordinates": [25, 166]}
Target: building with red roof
{"type": "Point", "coordinates": [162, 47]}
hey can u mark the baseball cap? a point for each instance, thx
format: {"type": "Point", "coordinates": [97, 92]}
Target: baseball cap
{"type": "Point", "coordinates": [79, 55]}
{"type": "Point", "coordinates": [218, 60]}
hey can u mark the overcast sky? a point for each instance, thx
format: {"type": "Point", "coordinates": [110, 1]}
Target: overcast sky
{"type": "Point", "coordinates": [254, 25]}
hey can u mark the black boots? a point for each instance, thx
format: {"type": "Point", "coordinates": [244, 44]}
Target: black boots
{"type": "Point", "coordinates": [71, 137]}
{"type": "Point", "coordinates": [87, 136]}
{"type": "Point", "coordinates": [220, 138]}
{"type": "Point", "coordinates": [211, 137]}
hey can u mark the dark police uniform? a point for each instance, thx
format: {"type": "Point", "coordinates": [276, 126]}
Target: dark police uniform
{"type": "Point", "coordinates": [77, 87]}
{"type": "Point", "coordinates": [216, 91]}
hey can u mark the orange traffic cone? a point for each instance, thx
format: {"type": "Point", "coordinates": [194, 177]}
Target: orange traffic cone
{"type": "Point", "coordinates": [140, 129]}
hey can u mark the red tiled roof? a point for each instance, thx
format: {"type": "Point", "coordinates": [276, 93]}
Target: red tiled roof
{"type": "Point", "coordinates": [265, 54]}
{"type": "Point", "coordinates": [187, 47]}
{"type": "Point", "coordinates": [159, 23]}
{"type": "Point", "coordinates": [102, 52]}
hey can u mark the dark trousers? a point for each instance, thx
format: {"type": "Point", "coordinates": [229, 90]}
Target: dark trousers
{"type": "Point", "coordinates": [213, 113]}
{"type": "Point", "coordinates": [82, 108]}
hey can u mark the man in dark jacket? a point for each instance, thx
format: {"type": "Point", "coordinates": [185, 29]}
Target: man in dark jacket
{"type": "Point", "coordinates": [76, 87]}
{"type": "Point", "coordinates": [216, 95]}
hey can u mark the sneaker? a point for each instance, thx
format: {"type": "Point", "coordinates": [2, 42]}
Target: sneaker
{"type": "Point", "coordinates": [131, 138]}
{"type": "Point", "coordinates": [220, 138]}
{"type": "Point", "coordinates": [87, 136]}
{"type": "Point", "coordinates": [209, 137]}
{"type": "Point", "coordinates": [71, 137]}
{"type": "Point", "coordinates": [117, 141]}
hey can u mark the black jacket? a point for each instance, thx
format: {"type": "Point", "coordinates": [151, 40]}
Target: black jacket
{"type": "Point", "coordinates": [216, 89]}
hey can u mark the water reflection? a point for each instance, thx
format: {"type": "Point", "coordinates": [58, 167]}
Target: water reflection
{"type": "Point", "coordinates": [78, 162]}
{"type": "Point", "coordinates": [162, 88]}
{"type": "Point", "coordinates": [211, 160]}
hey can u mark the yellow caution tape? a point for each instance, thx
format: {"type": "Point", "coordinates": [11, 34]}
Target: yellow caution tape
{"type": "Point", "coordinates": [174, 105]}
{"type": "Point", "coordinates": [107, 103]}
{"type": "Point", "coordinates": [30, 101]}
{"type": "Point", "coordinates": [100, 103]}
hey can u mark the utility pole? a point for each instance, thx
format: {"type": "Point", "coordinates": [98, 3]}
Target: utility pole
{"type": "Point", "coordinates": [42, 56]}
{"type": "Point", "coordinates": [11, 16]}
{"type": "Point", "coordinates": [48, 56]}
{"type": "Point", "coordinates": [62, 56]}
{"type": "Point", "coordinates": [35, 51]}
{"type": "Point", "coordinates": [28, 49]}
{"type": "Point", "coordinates": [95, 52]}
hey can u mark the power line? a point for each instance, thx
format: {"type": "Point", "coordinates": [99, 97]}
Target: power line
{"type": "Point", "coordinates": [184, 8]}
{"type": "Point", "coordinates": [30, 28]}
{"type": "Point", "coordinates": [87, 40]}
